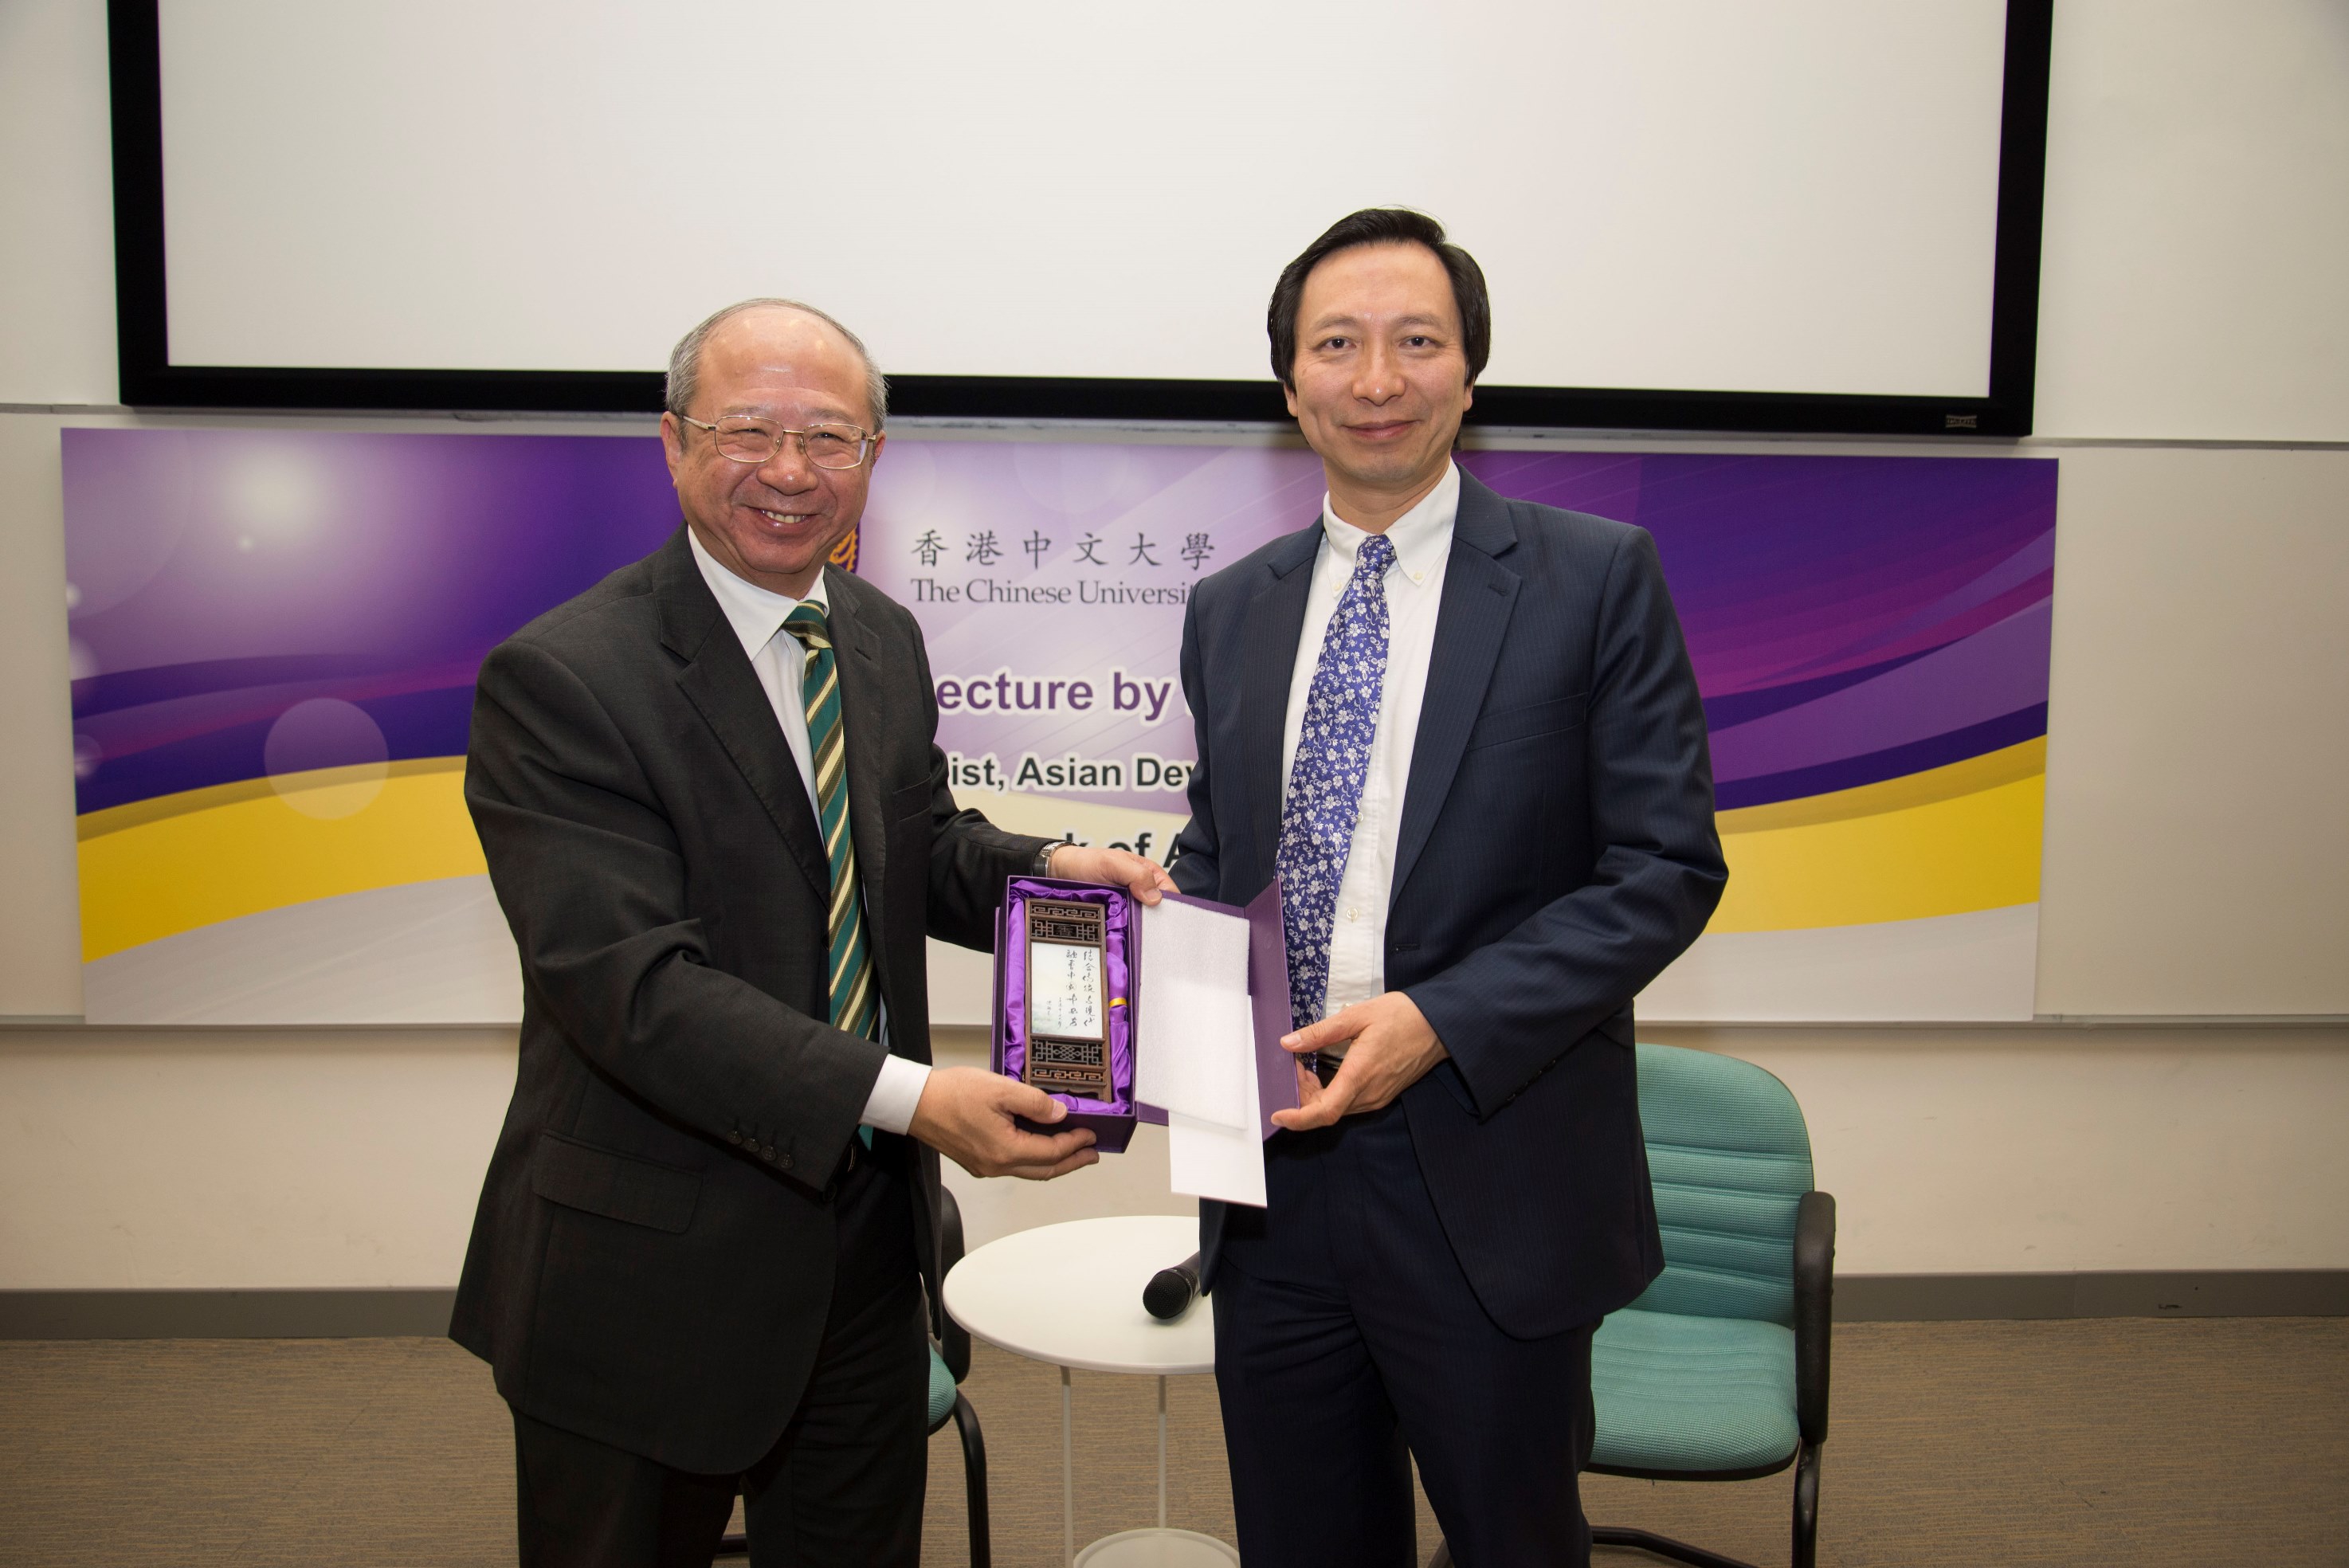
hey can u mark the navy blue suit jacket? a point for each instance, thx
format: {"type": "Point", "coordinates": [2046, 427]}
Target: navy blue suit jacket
{"type": "Point", "coordinates": [1556, 851]}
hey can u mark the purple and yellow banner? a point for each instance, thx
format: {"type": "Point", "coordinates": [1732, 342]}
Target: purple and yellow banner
{"type": "Point", "coordinates": [274, 636]}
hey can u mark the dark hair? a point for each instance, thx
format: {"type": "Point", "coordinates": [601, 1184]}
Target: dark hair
{"type": "Point", "coordinates": [1382, 226]}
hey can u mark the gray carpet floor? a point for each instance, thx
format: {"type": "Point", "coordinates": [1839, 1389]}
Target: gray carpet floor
{"type": "Point", "coordinates": [2152, 1443]}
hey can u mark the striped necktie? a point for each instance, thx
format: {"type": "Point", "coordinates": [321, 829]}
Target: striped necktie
{"type": "Point", "coordinates": [854, 1006]}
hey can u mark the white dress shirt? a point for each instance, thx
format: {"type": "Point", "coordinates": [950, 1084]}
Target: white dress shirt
{"type": "Point", "coordinates": [1422, 538]}
{"type": "Point", "coordinates": [757, 614]}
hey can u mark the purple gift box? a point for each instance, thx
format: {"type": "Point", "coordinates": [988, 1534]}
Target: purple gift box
{"type": "Point", "coordinates": [1113, 1120]}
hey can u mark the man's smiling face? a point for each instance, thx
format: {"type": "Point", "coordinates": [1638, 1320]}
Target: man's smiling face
{"type": "Point", "coordinates": [772, 524]}
{"type": "Point", "coordinates": [1381, 373]}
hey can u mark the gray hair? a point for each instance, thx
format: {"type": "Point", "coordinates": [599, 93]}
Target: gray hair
{"type": "Point", "coordinates": [685, 359]}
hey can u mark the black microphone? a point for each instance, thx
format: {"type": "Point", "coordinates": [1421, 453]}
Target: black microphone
{"type": "Point", "coordinates": [1170, 1291]}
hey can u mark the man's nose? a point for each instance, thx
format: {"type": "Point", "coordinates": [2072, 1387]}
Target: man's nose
{"type": "Point", "coordinates": [787, 468]}
{"type": "Point", "coordinates": [1378, 377]}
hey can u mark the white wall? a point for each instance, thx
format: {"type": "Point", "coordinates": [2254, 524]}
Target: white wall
{"type": "Point", "coordinates": [2197, 850]}
{"type": "Point", "coordinates": [319, 1160]}
{"type": "Point", "coordinates": [2190, 272]}
{"type": "Point", "coordinates": [57, 249]}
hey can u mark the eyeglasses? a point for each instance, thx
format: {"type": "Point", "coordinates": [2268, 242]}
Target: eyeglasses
{"type": "Point", "coordinates": [748, 440]}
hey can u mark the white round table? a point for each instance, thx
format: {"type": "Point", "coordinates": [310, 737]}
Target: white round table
{"type": "Point", "coordinates": [1070, 1295]}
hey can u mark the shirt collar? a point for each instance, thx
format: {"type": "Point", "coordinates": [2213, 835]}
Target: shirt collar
{"type": "Point", "coordinates": [756, 613]}
{"type": "Point", "coordinates": [1420, 536]}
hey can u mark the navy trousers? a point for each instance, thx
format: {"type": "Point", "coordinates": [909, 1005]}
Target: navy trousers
{"type": "Point", "coordinates": [1348, 1343]}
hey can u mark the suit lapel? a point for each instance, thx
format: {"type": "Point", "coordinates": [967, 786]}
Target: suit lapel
{"type": "Point", "coordinates": [718, 680]}
{"type": "Point", "coordinates": [1268, 654]}
{"type": "Point", "coordinates": [1471, 623]}
{"type": "Point", "coordinates": [863, 708]}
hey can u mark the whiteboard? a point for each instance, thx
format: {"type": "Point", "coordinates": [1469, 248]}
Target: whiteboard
{"type": "Point", "coordinates": [1697, 195]}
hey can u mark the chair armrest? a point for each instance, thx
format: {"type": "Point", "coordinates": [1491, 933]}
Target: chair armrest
{"type": "Point", "coordinates": [954, 1339]}
{"type": "Point", "coordinates": [1815, 1227]}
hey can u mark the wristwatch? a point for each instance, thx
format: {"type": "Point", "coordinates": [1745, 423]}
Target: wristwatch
{"type": "Point", "coordinates": [1044, 866]}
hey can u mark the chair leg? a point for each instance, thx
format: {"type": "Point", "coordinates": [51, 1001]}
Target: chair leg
{"type": "Point", "coordinates": [974, 1476]}
{"type": "Point", "coordinates": [1807, 1508]}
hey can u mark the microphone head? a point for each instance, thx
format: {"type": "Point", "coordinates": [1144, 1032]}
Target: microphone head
{"type": "Point", "coordinates": [1170, 1290]}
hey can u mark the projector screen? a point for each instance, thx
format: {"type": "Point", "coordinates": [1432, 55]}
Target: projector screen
{"type": "Point", "coordinates": [1738, 205]}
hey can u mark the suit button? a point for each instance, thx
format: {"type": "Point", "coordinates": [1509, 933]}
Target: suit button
{"type": "Point", "coordinates": [768, 1154]}
{"type": "Point", "coordinates": [735, 1136]}
{"type": "Point", "coordinates": [785, 1162]}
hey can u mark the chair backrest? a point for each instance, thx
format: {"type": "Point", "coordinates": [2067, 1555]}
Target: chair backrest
{"type": "Point", "coordinates": [1731, 1160]}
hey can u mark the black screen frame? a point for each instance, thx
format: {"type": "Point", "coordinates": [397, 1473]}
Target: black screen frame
{"type": "Point", "coordinates": [150, 379]}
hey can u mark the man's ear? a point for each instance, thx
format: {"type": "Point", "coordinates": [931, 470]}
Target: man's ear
{"type": "Point", "coordinates": [672, 444]}
{"type": "Point", "coordinates": [1289, 391]}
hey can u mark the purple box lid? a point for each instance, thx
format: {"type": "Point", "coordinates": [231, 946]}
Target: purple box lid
{"type": "Point", "coordinates": [1267, 979]}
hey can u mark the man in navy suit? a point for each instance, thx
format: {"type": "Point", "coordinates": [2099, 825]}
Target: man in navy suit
{"type": "Point", "coordinates": [1464, 733]}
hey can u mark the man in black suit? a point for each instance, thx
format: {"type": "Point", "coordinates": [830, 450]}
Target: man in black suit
{"type": "Point", "coordinates": [719, 826]}
{"type": "Point", "coordinates": [1465, 732]}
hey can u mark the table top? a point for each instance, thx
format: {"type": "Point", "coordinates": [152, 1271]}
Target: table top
{"type": "Point", "coordinates": [1072, 1294]}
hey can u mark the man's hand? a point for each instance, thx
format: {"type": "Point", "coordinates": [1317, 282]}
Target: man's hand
{"type": "Point", "coordinates": [1393, 1048]}
{"type": "Point", "coordinates": [1117, 868]}
{"type": "Point", "coordinates": [966, 1114]}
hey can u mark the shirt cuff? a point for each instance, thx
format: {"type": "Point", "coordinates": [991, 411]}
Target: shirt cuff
{"type": "Point", "coordinates": [895, 1093]}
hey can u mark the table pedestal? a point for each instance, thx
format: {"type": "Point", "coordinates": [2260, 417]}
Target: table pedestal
{"type": "Point", "coordinates": [1158, 1548]}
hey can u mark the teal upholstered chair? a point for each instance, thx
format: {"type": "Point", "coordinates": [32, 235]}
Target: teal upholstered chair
{"type": "Point", "coordinates": [1720, 1371]}
{"type": "Point", "coordinates": [949, 1365]}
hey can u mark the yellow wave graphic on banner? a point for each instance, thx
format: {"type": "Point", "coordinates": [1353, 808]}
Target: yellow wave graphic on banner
{"type": "Point", "coordinates": [1948, 841]}
{"type": "Point", "coordinates": [156, 868]}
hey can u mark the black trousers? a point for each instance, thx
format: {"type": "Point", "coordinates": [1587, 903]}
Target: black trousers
{"type": "Point", "coordinates": [1348, 1342]}
{"type": "Point", "coordinates": [843, 1485]}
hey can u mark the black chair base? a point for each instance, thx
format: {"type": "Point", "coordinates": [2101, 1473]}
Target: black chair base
{"type": "Point", "coordinates": [1806, 1529]}
{"type": "Point", "coordinates": [1645, 1539]}
{"type": "Point", "coordinates": [1663, 1546]}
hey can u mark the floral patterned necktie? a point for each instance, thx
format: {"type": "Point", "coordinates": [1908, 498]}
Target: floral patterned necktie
{"type": "Point", "coordinates": [1325, 781]}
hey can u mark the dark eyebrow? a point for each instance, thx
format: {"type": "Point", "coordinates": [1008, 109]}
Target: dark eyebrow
{"type": "Point", "coordinates": [1333, 323]}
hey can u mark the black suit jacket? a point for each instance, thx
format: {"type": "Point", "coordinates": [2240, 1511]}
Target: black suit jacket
{"type": "Point", "coordinates": [1556, 851]}
{"type": "Point", "coordinates": [652, 1261]}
